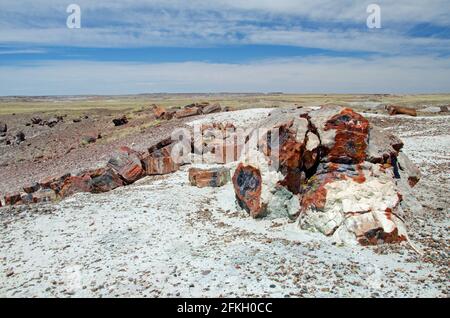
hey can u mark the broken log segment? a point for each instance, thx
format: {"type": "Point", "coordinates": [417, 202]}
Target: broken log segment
{"type": "Point", "coordinates": [247, 184]}
{"type": "Point", "coordinates": [212, 177]}
{"type": "Point", "coordinates": [398, 110]}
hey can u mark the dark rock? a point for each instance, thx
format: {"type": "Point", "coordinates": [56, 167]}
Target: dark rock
{"type": "Point", "coordinates": [33, 187]}
{"type": "Point", "coordinates": [20, 137]}
{"type": "Point", "coordinates": [36, 120]}
{"type": "Point", "coordinates": [52, 122]}
{"type": "Point", "coordinates": [120, 121]}
{"type": "Point", "coordinates": [3, 127]}
{"type": "Point", "coordinates": [13, 198]}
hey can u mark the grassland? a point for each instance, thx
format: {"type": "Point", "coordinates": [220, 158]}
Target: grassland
{"type": "Point", "coordinates": [79, 104]}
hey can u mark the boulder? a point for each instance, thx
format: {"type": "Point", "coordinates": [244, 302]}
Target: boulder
{"type": "Point", "coordinates": [127, 165]}
{"type": "Point", "coordinates": [212, 177]}
{"type": "Point", "coordinates": [397, 110]}
{"type": "Point", "coordinates": [214, 108]}
{"type": "Point", "coordinates": [187, 112]}
{"type": "Point", "coordinates": [120, 121]}
{"type": "Point", "coordinates": [336, 174]}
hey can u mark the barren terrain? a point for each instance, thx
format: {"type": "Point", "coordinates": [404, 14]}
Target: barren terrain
{"type": "Point", "coordinates": [161, 237]}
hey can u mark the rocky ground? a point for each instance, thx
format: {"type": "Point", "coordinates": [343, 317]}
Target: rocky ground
{"type": "Point", "coordinates": [161, 237]}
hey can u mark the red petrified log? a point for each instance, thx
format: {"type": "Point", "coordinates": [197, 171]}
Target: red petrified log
{"type": "Point", "coordinates": [351, 137]}
{"type": "Point", "coordinates": [160, 162]}
{"type": "Point", "coordinates": [158, 111]}
{"type": "Point", "coordinates": [247, 184]}
{"type": "Point", "coordinates": [127, 164]}
{"type": "Point", "coordinates": [214, 108]}
{"type": "Point", "coordinates": [104, 180]}
{"type": "Point", "coordinates": [187, 112]}
{"type": "Point", "coordinates": [74, 185]}
{"type": "Point", "coordinates": [54, 182]}
{"type": "Point", "coordinates": [397, 110]}
{"type": "Point", "coordinates": [214, 177]}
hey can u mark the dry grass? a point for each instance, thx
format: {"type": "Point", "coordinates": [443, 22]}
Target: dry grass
{"type": "Point", "coordinates": [132, 103]}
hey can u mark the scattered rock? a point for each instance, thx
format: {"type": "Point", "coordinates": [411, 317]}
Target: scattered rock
{"type": "Point", "coordinates": [120, 121]}
{"type": "Point", "coordinates": [36, 120]}
{"type": "Point", "coordinates": [213, 177]}
{"type": "Point", "coordinates": [20, 137]}
{"type": "Point", "coordinates": [53, 121]}
{"type": "Point", "coordinates": [3, 127]}
{"type": "Point", "coordinates": [86, 140]}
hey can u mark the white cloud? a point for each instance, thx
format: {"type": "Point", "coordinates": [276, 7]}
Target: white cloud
{"type": "Point", "coordinates": [307, 75]}
{"type": "Point", "coordinates": [223, 22]}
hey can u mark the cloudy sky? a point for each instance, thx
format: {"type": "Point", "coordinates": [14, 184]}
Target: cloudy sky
{"type": "Point", "coordinates": [302, 46]}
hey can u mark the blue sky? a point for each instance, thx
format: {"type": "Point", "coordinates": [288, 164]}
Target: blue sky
{"type": "Point", "coordinates": [310, 46]}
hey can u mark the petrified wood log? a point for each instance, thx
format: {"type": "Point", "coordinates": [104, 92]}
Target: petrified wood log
{"type": "Point", "coordinates": [247, 186]}
{"type": "Point", "coordinates": [397, 110]}
{"type": "Point", "coordinates": [212, 177]}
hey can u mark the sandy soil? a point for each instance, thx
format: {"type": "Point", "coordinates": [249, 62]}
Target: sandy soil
{"type": "Point", "coordinates": [161, 237]}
